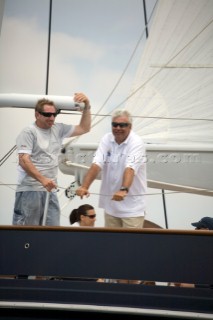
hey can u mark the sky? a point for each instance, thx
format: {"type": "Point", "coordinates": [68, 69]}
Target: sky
{"type": "Point", "coordinates": [91, 44]}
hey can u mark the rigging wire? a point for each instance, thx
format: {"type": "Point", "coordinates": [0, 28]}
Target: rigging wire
{"type": "Point", "coordinates": [8, 185]}
{"type": "Point", "coordinates": [152, 117]}
{"type": "Point", "coordinates": [48, 47]}
{"type": "Point", "coordinates": [7, 155]}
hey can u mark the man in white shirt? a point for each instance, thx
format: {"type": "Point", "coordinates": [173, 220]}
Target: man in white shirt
{"type": "Point", "coordinates": [121, 158]}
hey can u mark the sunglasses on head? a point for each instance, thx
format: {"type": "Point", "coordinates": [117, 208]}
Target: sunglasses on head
{"type": "Point", "coordinates": [120, 124]}
{"type": "Point", "coordinates": [49, 114]}
{"type": "Point", "coordinates": [91, 216]}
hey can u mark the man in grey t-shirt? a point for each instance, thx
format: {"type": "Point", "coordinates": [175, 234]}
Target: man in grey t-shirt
{"type": "Point", "coordinates": [38, 148]}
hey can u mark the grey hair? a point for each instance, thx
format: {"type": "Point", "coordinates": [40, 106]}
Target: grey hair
{"type": "Point", "coordinates": [122, 113]}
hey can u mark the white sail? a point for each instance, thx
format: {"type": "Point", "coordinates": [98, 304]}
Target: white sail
{"type": "Point", "coordinates": [173, 88]}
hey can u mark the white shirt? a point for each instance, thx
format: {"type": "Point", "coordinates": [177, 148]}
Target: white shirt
{"type": "Point", "coordinates": [76, 224]}
{"type": "Point", "coordinates": [113, 158]}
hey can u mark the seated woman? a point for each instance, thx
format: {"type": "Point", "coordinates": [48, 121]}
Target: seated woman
{"type": "Point", "coordinates": [84, 216]}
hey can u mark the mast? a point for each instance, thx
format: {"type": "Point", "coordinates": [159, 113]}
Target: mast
{"type": "Point", "coordinates": [2, 2]}
{"type": "Point", "coordinates": [48, 47]}
{"type": "Point", "coordinates": [145, 18]}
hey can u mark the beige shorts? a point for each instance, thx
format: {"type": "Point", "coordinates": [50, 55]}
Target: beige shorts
{"type": "Point", "coordinates": [114, 222]}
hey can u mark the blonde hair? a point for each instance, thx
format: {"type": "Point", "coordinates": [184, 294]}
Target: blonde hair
{"type": "Point", "coordinates": [39, 107]}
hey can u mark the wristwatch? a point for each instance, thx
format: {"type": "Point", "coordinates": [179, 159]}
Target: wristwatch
{"type": "Point", "coordinates": [124, 189]}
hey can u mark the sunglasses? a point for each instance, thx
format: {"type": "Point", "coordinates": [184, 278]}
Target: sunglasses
{"type": "Point", "coordinates": [49, 114]}
{"type": "Point", "coordinates": [120, 124]}
{"type": "Point", "coordinates": [91, 216]}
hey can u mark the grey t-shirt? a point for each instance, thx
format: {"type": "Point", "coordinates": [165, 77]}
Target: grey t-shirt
{"type": "Point", "coordinates": [44, 146]}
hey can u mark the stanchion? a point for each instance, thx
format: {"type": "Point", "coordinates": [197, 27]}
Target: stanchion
{"type": "Point", "coordinates": [46, 208]}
